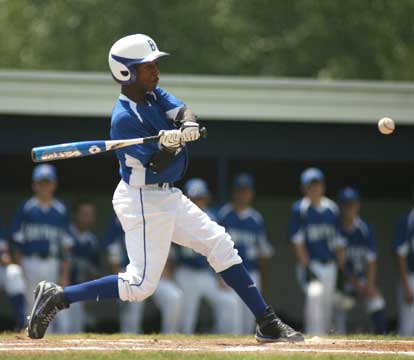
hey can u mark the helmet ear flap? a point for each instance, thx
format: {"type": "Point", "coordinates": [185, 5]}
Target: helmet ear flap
{"type": "Point", "coordinates": [122, 73]}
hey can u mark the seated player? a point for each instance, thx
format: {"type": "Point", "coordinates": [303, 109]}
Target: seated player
{"type": "Point", "coordinates": [360, 265]}
{"type": "Point", "coordinates": [403, 246]}
{"type": "Point", "coordinates": [197, 280]}
{"type": "Point", "coordinates": [13, 283]}
{"type": "Point", "coordinates": [248, 231]}
{"type": "Point", "coordinates": [153, 213]}
{"type": "Point", "coordinates": [84, 261]}
{"type": "Point", "coordinates": [40, 235]}
{"type": "Point", "coordinates": [168, 297]}
{"type": "Point", "coordinates": [318, 249]}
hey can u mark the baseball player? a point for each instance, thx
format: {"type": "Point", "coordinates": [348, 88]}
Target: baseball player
{"type": "Point", "coordinates": [40, 234]}
{"type": "Point", "coordinates": [197, 280]}
{"type": "Point", "coordinates": [13, 282]}
{"type": "Point", "coordinates": [152, 212]}
{"type": "Point", "coordinates": [360, 263]}
{"type": "Point", "coordinates": [84, 261]}
{"type": "Point", "coordinates": [403, 246]}
{"type": "Point", "coordinates": [168, 297]}
{"type": "Point", "coordinates": [313, 231]}
{"type": "Point", "coordinates": [247, 229]}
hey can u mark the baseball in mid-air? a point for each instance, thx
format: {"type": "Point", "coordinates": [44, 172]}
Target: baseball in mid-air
{"type": "Point", "coordinates": [386, 126]}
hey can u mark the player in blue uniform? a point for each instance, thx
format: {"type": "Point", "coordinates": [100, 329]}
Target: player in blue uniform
{"type": "Point", "coordinates": [84, 261]}
{"type": "Point", "coordinates": [248, 231]}
{"type": "Point", "coordinates": [360, 264]}
{"type": "Point", "coordinates": [403, 246]}
{"type": "Point", "coordinates": [313, 231]}
{"type": "Point", "coordinates": [40, 233]}
{"type": "Point", "coordinates": [167, 297]}
{"type": "Point", "coordinates": [13, 282]}
{"type": "Point", "coordinates": [152, 212]}
{"type": "Point", "coordinates": [197, 280]}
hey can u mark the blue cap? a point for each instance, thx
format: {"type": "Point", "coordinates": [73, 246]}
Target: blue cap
{"type": "Point", "coordinates": [196, 188]}
{"type": "Point", "coordinates": [243, 180]}
{"type": "Point", "coordinates": [311, 174]}
{"type": "Point", "coordinates": [347, 194]}
{"type": "Point", "coordinates": [44, 172]}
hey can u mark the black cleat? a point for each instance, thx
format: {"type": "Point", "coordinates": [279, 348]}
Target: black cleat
{"type": "Point", "coordinates": [271, 329]}
{"type": "Point", "coordinates": [49, 299]}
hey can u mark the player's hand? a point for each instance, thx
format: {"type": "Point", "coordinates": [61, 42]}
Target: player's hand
{"type": "Point", "coordinates": [190, 131]}
{"type": "Point", "coordinates": [171, 139]}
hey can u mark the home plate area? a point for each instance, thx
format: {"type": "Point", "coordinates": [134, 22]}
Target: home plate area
{"type": "Point", "coordinates": [21, 344]}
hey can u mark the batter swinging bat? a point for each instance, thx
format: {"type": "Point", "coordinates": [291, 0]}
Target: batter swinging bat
{"type": "Point", "coordinates": [85, 148]}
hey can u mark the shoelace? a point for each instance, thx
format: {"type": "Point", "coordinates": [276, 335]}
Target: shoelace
{"type": "Point", "coordinates": [48, 317]}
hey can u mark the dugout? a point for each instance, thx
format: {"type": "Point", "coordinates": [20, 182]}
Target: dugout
{"type": "Point", "coordinates": [272, 128]}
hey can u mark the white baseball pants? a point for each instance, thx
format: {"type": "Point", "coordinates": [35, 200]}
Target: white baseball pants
{"type": "Point", "coordinates": [37, 269]}
{"type": "Point", "coordinates": [152, 218]}
{"type": "Point", "coordinates": [319, 298]}
{"type": "Point", "coordinates": [169, 300]}
{"type": "Point", "coordinates": [197, 284]}
{"type": "Point", "coordinates": [405, 311]}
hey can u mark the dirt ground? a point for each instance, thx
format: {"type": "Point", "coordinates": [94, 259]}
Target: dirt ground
{"type": "Point", "coordinates": [20, 343]}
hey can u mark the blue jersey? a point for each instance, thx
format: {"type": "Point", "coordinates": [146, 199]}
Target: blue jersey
{"type": "Point", "coordinates": [248, 231]}
{"type": "Point", "coordinates": [114, 243]}
{"type": "Point", "coordinates": [316, 228]}
{"type": "Point", "coordinates": [188, 257]}
{"type": "Point", "coordinates": [404, 239]}
{"type": "Point", "coordinates": [360, 247]}
{"type": "Point", "coordinates": [41, 231]}
{"type": "Point", "coordinates": [85, 254]}
{"type": "Point", "coordinates": [132, 120]}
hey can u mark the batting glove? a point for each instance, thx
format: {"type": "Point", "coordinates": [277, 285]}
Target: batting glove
{"type": "Point", "coordinates": [171, 139]}
{"type": "Point", "coordinates": [190, 131]}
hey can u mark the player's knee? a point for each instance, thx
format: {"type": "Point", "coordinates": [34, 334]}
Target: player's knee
{"type": "Point", "coordinates": [223, 254]}
{"type": "Point", "coordinates": [133, 286]}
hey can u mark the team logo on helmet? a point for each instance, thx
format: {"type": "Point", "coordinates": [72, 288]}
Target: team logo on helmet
{"type": "Point", "coordinates": [152, 45]}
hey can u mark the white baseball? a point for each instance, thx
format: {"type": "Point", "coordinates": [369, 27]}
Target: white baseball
{"type": "Point", "coordinates": [386, 126]}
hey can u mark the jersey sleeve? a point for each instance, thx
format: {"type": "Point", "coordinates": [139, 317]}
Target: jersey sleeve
{"type": "Point", "coordinates": [67, 238]}
{"type": "Point", "coordinates": [124, 126]}
{"type": "Point", "coordinates": [371, 254]}
{"type": "Point", "coordinates": [340, 240]}
{"type": "Point", "coordinates": [266, 249]}
{"type": "Point", "coordinates": [400, 243]}
{"type": "Point", "coordinates": [169, 103]}
{"type": "Point", "coordinates": [112, 247]}
{"type": "Point", "coordinates": [296, 230]}
{"type": "Point", "coordinates": [16, 228]}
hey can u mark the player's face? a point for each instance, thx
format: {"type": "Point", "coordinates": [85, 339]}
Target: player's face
{"type": "Point", "coordinates": [202, 202]}
{"type": "Point", "coordinates": [350, 209]}
{"type": "Point", "coordinates": [44, 189]}
{"type": "Point", "coordinates": [148, 75]}
{"type": "Point", "coordinates": [85, 216]}
{"type": "Point", "coordinates": [315, 190]}
{"type": "Point", "coordinates": [243, 196]}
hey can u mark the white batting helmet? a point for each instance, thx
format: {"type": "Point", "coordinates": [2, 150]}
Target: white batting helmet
{"type": "Point", "coordinates": [128, 51]}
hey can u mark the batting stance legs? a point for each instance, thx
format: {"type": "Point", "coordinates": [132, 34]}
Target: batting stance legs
{"type": "Point", "coordinates": [152, 218]}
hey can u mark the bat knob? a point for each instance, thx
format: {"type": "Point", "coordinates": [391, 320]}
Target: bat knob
{"type": "Point", "coordinates": [203, 132]}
